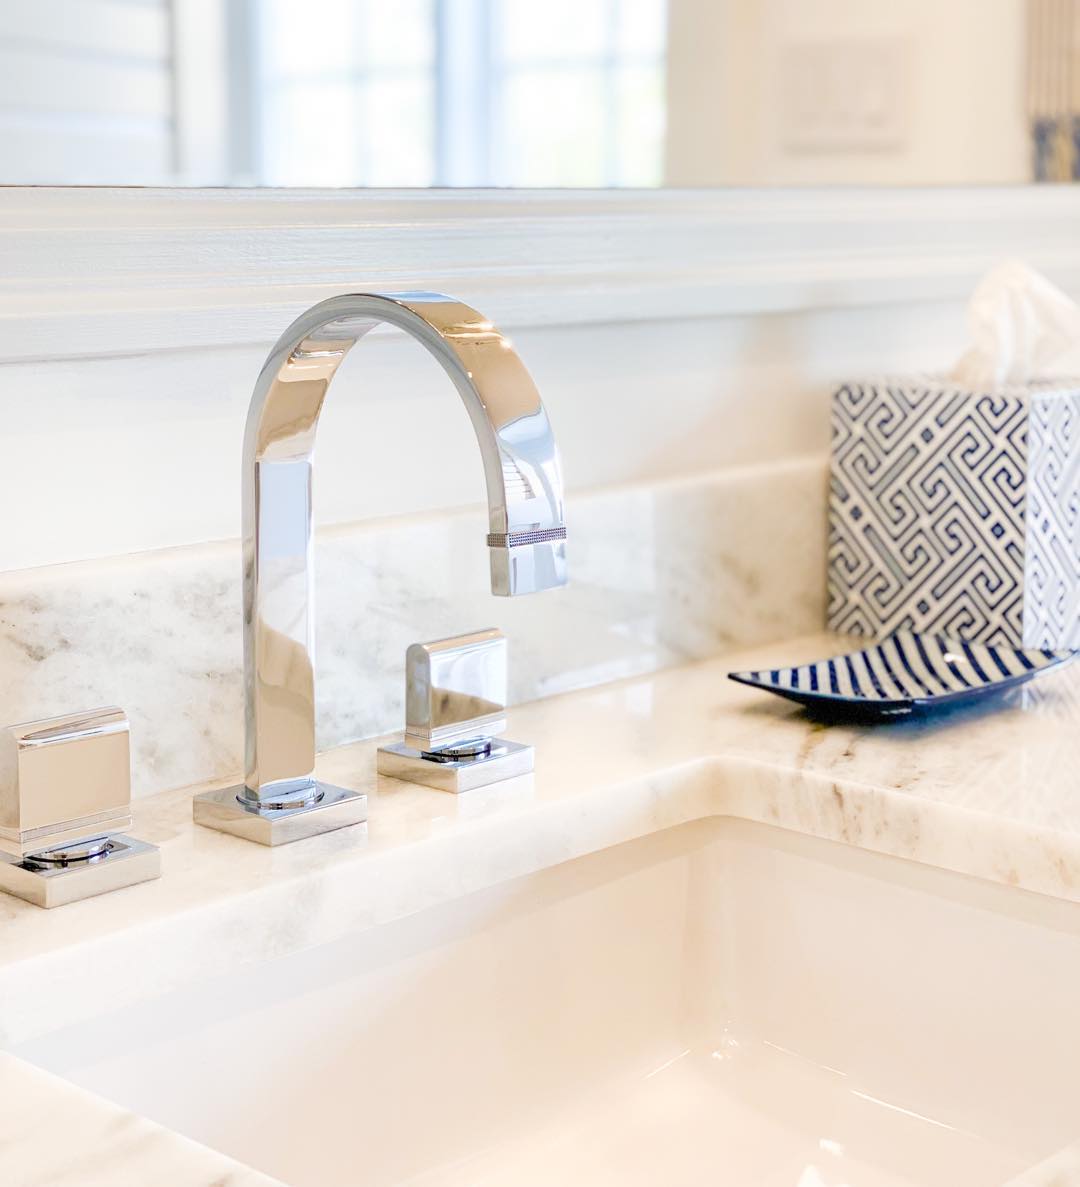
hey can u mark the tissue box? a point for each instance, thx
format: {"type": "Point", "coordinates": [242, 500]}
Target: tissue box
{"type": "Point", "coordinates": [956, 512]}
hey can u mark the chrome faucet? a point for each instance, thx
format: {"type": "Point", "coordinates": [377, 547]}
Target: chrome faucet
{"type": "Point", "coordinates": [280, 799]}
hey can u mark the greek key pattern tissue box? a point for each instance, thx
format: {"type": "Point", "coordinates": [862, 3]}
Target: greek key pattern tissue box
{"type": "Point", "coordinates": [956, 512]}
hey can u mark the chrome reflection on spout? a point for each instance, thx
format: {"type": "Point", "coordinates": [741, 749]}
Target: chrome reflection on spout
{"type": "Point", "coordinates": [526, 532]}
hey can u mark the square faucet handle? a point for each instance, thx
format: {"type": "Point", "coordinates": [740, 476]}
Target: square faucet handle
{"type": "Point", "coordinates": [65, 800]}
{"type": "Point", "coordinates": [455, 689]}
{"type": "Point", "coordinates": [456, 693]}
{"type": "Point", "coordinates": [64, 780]}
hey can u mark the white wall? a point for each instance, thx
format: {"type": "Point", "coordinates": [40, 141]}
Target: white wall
{"type": "Point", "coordinates": [963, 91]}
{"type": "Point", "coordinates": [116, 455]}
{"type": "Point", "coordinates": [669, 333]}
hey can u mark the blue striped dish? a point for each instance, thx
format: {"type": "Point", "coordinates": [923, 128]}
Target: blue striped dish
{"type": "Point", "coordinates": [905, 673]}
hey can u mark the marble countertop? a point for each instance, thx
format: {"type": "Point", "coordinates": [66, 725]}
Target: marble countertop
{"type": "Point", "coordinates": [53, 1134]}
{"type": "Point", "coordinates": [991, 793]}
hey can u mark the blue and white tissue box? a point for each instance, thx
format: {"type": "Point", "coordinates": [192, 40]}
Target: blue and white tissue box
{"type": "Point", "coordinates": [956, 512]}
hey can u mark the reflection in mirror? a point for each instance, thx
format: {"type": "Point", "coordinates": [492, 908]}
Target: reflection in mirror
{"type": "Point", "coordinates": [520, 93]}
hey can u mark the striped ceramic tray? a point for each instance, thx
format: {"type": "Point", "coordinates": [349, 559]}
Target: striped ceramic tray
{"type": "Point", "coordinates": [904, 674]}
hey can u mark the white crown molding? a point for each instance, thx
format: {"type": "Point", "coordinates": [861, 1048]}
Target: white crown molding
{"type": "Point", "coordinates": [127, 271]}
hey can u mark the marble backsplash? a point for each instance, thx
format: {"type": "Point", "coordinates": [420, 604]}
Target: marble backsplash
{"type": "Point", "coordinates": [660, 574]}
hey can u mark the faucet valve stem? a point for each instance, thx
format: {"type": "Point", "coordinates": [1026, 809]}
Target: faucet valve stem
{"type": "Point", "coordinates": [460, 751]}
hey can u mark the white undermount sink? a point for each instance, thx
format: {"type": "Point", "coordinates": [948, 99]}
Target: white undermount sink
{"type": "Point", "coordinates": [723, 1003]}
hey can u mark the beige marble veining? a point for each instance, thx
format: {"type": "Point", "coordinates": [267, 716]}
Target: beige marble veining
{"type": "Point", "coordinates": [662, 573]}
{"type": "Point", "coordinates": [984, 792]}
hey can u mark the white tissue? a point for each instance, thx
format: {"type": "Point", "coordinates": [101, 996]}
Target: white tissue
{"type": "Point", "coordinates": [1020, 324]}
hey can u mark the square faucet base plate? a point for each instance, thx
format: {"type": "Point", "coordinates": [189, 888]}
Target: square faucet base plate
{"type": "Point", "coordinates": [126, 863]}
{"type": "Point", "coordinates": [505, 761]}
{"type": "Point", "coordinates": [223, 810]}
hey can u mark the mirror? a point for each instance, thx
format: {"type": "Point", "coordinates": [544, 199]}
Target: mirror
{"type": "Point", "coordinates": [592, 93]}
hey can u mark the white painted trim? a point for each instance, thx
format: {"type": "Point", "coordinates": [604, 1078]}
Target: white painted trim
{"type": "Point", "coordinates": [122, 271]}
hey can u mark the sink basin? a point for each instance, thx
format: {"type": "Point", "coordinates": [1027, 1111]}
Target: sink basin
{"type": "Point", "coordinates": [722, 1003]}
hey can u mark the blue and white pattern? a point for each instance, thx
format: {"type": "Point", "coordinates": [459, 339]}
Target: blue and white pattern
{"type": "Point", "coordinates": [1052, 569]}
{"type": "Point", "coordinates": [905, 673]}
{"type": "Point", "coordinates": [956, 513]}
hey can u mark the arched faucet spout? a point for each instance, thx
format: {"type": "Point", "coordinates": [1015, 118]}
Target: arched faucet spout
{"type": "Point", "coordinates": [526, 533]}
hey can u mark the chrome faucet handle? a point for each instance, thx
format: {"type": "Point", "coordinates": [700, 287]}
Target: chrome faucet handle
{"type": "Point", "coordinates": [455, 708]}
{"type": "Point", "coordinates": [455, 689]}
{"type": "Point", "coordinates": [65, 799]}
